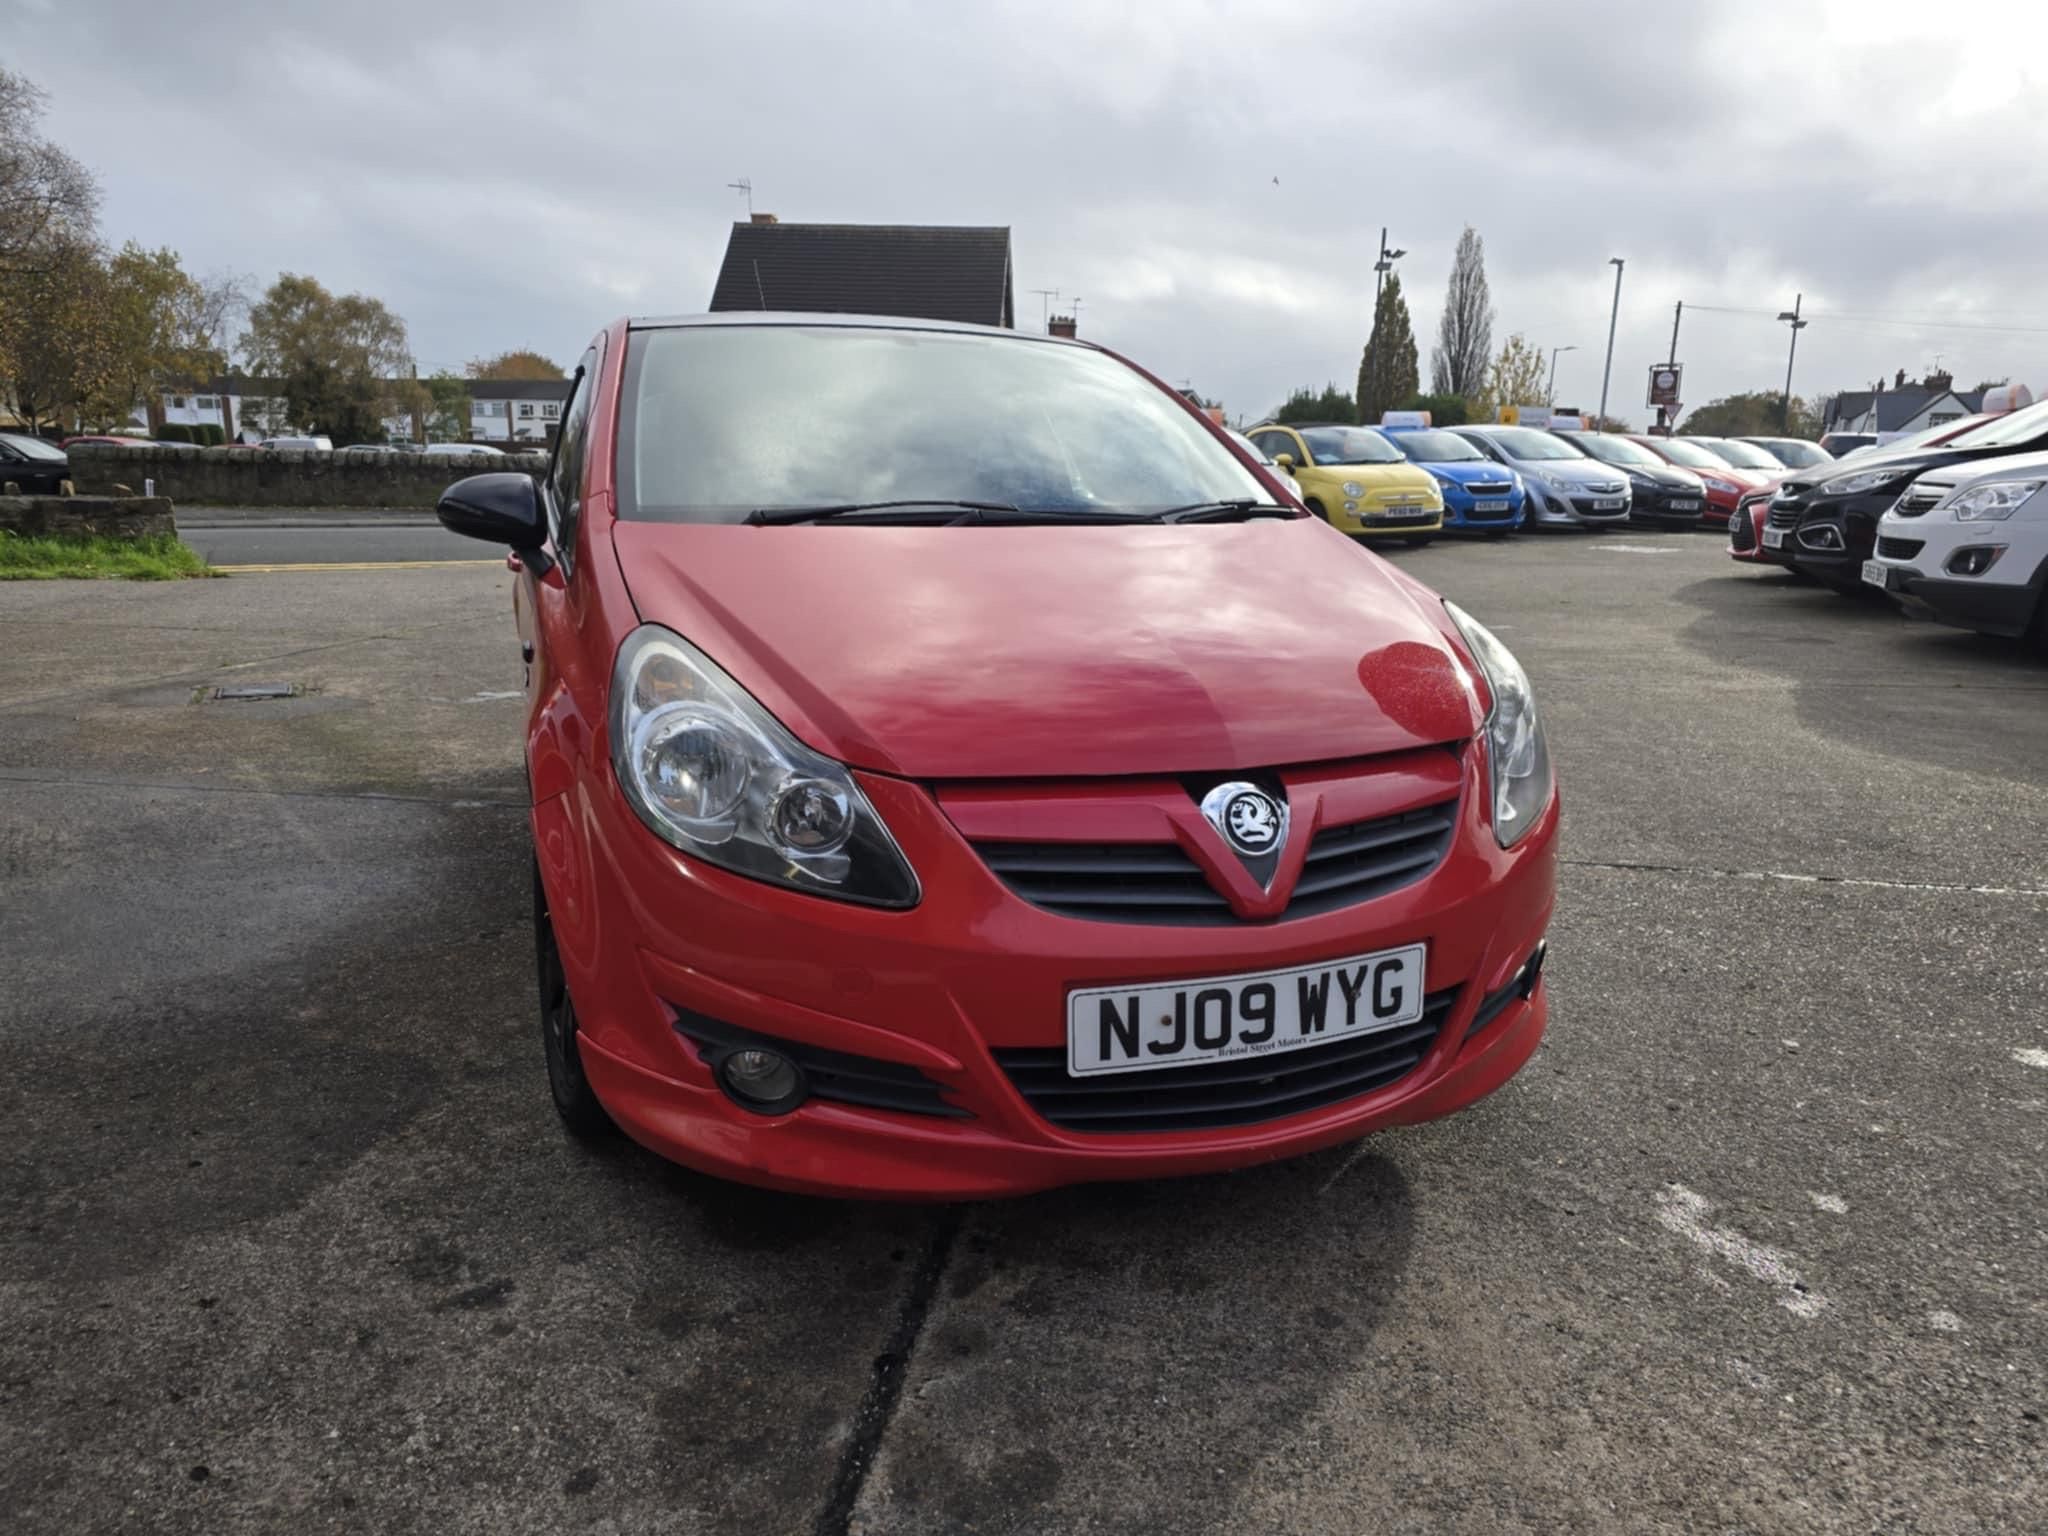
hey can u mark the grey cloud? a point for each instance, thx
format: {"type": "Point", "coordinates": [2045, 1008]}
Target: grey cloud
{"type": "Point", "coordinates": [520, 177]}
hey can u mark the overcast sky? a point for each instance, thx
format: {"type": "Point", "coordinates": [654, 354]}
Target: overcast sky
{"type": "Point", "coordinates": [511, 174]}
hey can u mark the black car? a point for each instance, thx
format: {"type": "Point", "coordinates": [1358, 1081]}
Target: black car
{"type": "Point", "coordinates": [39, 468]}
{"type": "Point", "coordinates": [1824, 520]}
{"type": "Point", "coordinates": [1662, 494]}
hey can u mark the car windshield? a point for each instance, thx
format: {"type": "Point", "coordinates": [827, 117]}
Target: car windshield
{"type": "Point", "coordinates": [1251, 447]}
{"type": "Point", "coordinates": [2005, 431]}
{"type": "Point", "coordinates": [32, 447]}
{"type": "Point", "coordinates": [1348, 445]}
{"type": "Point", "coordinates": [1691, 455]}
{"type": "Point", "coordinates": [1741, 455]}
{"type": "Point", "coordinates": [1794, 454]}
{"type": "Point", "coordinates": [1528, 443]}
{"type": "Point", "coordinates": [1609, 449]}
{"type": "Point", "coordinates": [1434, 447]}
{"type": "Point", "coordinates": [721, 420]}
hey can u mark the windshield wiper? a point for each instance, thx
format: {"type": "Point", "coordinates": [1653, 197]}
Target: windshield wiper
{"type": "Point", "coordinates": [921, 509]}
{"type": "Point", "coordinates": [1243, 510]}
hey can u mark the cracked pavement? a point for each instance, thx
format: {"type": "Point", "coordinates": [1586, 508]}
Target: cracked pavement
{"type": "Point", "coordinates": [289, 1236]}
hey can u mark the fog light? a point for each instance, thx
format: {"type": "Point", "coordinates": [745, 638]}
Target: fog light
{"type": "Point", "coordinates": [766, 1082]}
{"type": "Point", "coordinates": [1975, 560]}
{"type": "Point", "coordinates": [1350, 506]}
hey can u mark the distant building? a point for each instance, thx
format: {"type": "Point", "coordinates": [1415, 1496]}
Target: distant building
{"type": "Point", "coordinates": [247, 410]}
{"type": "Point", "coordinates": [516, 410]}
{"type": "Point", "coordinates": [923, 271]}
{"type": "Point", "coordinates": [1903, 407]}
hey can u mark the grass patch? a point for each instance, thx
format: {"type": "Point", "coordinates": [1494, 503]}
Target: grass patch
{"type": "Point", "coordinates": [160, 557]}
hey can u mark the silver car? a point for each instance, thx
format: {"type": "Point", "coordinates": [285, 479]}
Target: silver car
{"type": "Point", "coordinates": [1567, 488]}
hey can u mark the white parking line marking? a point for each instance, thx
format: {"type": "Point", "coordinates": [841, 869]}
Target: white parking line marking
{"type": "Point", "coordinates": [490, 697]}
{"type": "Point", "coordinates": [1834, 1205]}
{"type": "Point", "coordinates": [1684, 1212]}
{"type": "Point", "coordinates": [1638, 549]}
{"type": "Point", "coordinates": [2027, 1056]}
{"type": "Point", "coordinates": [1635, 868]}
{"type": "Point", "coordinates": [1947, 1322]}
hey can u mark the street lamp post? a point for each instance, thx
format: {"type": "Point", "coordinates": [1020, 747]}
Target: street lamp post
{"type": "Point", "coordinates": [1791, 318]}
{"type": "Point", "coordinates": [1550, 395]}
{"type": "Point", "coordinates": [1613, 316]}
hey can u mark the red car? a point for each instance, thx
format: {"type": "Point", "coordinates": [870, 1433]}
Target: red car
{"type": "Point", "coordinates": [957, 770]}
{"type": "Point", "coordinates": [1724, 482]}
{"type": "Point", "coordinates": [109, 439]}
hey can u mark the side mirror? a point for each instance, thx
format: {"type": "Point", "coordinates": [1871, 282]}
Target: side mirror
{"type": "Point", "coordinates": [502, 508]}
{"type": "Point", "coordinates": [1285, 461]}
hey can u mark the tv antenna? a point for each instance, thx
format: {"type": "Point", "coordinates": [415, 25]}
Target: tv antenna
{"type": "Point", "coordinates": [745, 188]}
{"type": "Point", "coordinates": [1045, 298]}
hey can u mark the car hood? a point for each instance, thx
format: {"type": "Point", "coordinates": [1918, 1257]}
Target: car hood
{"type": "Point", "coordinates": [2012, 466]}
{"type": "Point", "coordinates": [1040, 652]}
{"type": "Point", "coordinates": [1669, 476]}
{"type": "Point", "coordinates": [1576, 471]}
{"type": "Point", "coordinates": [1466, 472]}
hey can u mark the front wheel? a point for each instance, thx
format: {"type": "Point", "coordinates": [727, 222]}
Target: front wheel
{"type": "Point", "coordinates": [575, 1101]}
{"type": "Point", "coordinates": [1316, 507]}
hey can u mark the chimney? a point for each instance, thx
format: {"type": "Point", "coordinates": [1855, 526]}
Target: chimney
{"type": "Point", "coordinates": [1060, 325]}
{"type": "Point", "coordinates": [762, 218]}
{"type": "Point", "coordinates": [1900, 381]}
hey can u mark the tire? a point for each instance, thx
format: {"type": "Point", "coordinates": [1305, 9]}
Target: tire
{"type": "Point", "coordinates": [574, 1099]}
{"type": "Point", "coordinates": [2036, 638]}
{"type": "Point", "coordinates": [1316, 507]}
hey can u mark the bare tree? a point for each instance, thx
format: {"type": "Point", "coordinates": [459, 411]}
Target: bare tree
{"type": "Point", "coordinates": [1464, 336]}
{"type": "Point", "coordinates": [47, 199]}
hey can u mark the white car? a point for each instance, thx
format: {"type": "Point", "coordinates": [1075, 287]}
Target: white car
{"type": "Point", "coordinates": [462, 451]}
{"type": "Point", "coordinates": [1967, 544]}
{"type": "Point", "coordinates": [1567, 488]}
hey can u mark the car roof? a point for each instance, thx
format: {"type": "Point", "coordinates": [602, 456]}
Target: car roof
{"type": "Point", "coordinates": [761, 317]}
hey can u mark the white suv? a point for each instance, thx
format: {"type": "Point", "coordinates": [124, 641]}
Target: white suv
{"type": "Point", "coordinates": [1967, 544]}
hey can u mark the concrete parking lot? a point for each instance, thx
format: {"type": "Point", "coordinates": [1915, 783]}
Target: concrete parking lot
{"type": "Point", "coordinates": [289, 1236]}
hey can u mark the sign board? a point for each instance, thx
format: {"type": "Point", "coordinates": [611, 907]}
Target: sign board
{"type": "Point", "coordinates": [1665, 381]}
{"type": "Point", "coordinates": [1525, 416]}
{"type": "Point", "coordinates": [1405, 419]}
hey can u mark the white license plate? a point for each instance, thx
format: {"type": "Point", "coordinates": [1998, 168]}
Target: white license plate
{"type": "Point", "coordinates": [1609, 504]}
{"type": "Point", "coordinates": [1231, 1018]}
{"type": "Point", "coordinates": [1774, 538]}
{"type": "Point", "coordinates": [1877, 574]}
{"type": "Point", "coordinates": [1489, 506]}
{"type": "Point", "coordinates": [1684, 506]}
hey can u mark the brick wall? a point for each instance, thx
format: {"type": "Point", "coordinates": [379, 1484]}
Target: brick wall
{"type": "Point", "coordinates": [254, 477]}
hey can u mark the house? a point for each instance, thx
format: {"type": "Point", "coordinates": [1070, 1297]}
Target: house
{"type": "Point", "coordinates": [924, 271]}
{"type": "Point", "coordinates": [245, 409]}
{"type": "Point", "coordinates": [516, 410]}
{"type": "Point", "coordinates": [1902, 408]}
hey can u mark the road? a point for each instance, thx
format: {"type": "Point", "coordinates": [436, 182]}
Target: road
{"type": "Point", "coordinates": [289, 1237]}
{"type": "Point", "coordinates": [232, 536]}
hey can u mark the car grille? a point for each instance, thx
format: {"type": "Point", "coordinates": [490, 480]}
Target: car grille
{"type": "Point", "coordinates": [1219, 1093]}
{"type": "Point", "coordinates": [1900, 549]}
{"type": "Point", "coordinates": [1915, 503]}
{"type": "Point", "coordinates": [1160, 883]}
{"type": "Point", "coordinates": [1784, 517]}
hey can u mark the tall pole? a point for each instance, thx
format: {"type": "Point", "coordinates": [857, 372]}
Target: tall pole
{"type": "Point", "coordinates": [1381, 268]}
{"type": "Point", "coordinates": [1613, 316]}
{"type": "Point", "coordinates": [1791, 317]}
{"type": "Point", "coordinates": [1550, 394]}
{"type": "Point", "coordinates": [1664, 423]}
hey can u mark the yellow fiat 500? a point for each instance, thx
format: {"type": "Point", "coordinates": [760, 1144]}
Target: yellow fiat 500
{"type": "Point", "coordinates": [1357, 480]}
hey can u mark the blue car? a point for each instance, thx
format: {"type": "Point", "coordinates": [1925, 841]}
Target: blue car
{"type": "Point", "coordinates": [1480, 496]}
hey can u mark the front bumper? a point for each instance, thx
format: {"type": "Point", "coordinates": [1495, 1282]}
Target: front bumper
{"type": "Point", "coordinates": [1379, 519]}
{"type": "Point", "coordinates": [1830, 537]}
{"type": "Point", "coordinates": [1461, 512]}
{"type": "Point", "coordinates": [1668, 509]}
{"type": "Point", "coordinates": [971, 971]}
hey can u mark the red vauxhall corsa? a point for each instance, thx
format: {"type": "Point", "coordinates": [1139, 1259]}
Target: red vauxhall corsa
{"type": "Point", "coordinates": [956, 770]}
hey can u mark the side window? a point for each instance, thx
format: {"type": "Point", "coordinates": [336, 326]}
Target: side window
{"type": "Point", "coordinates": [1291, 442]}
{"type": "Point", "coordinates": [565, 476]}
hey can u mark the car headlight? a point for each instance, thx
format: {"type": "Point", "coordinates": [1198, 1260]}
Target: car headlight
{"type": "Point", "coordinates": [1993, 503]}
{"type": "Point", "coordinates": [1865, 480]}
{"type": "Point", "coordinates": [1353, 489]}
{"type": "Point", "coordinates": [1557, 483]}
{"type": "Point", "coordinates": [1518, 756]}
{"type": "Point", "coordinates": [714, 774]}
{"type": "Point", "coordinates": [1716, 483]}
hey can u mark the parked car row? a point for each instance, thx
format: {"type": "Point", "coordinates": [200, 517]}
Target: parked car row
{"type": "Point", "coordinates": [1951, 523]}
{"type": "Point", "coordinates": [1494, 479]}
